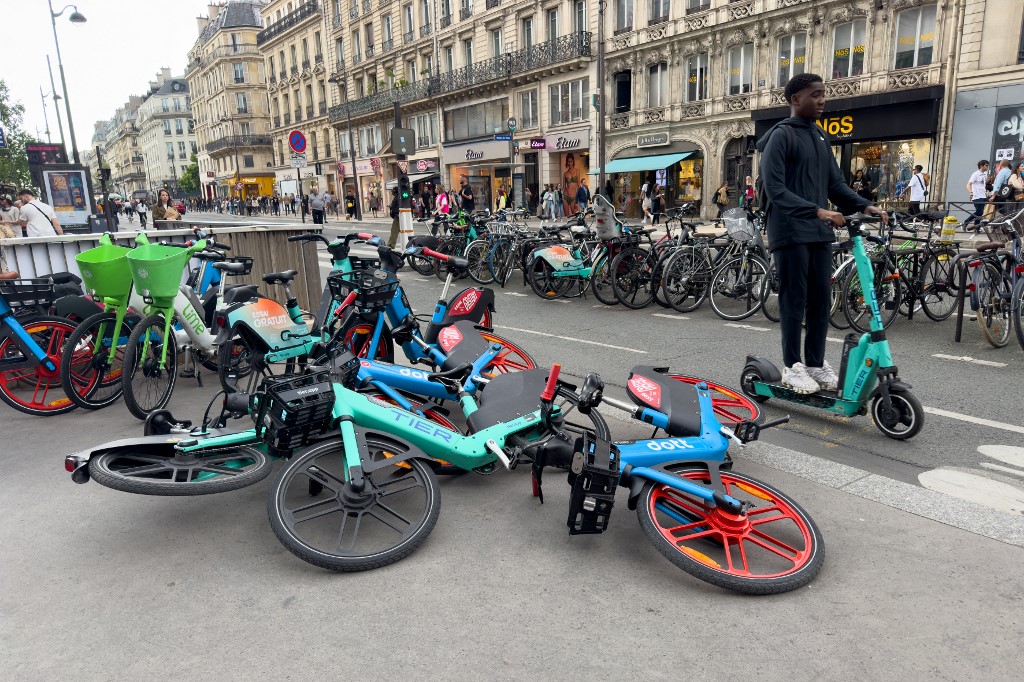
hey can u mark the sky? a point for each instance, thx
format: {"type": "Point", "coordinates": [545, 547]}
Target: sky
{"type": "Point", "coordinates": [119, 49]}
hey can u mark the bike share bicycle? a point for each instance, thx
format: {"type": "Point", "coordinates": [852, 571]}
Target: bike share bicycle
{"type": "Point", "coordinates": [868, 377]}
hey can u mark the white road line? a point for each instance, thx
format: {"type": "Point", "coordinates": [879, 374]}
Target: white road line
{"type": "Point", "coordinates": [965, 358]}
{"type": "Point", "coordinates": [556, 300]}
{"type": "Point", "coordinates": [670, 317]}
{"type": "Point", "coordinates": [829, 338]}
{"type": "Point", "coordinates": [747, 326]}
{"type": "Point", "coordinates": [974, 420]}
{"type": "Point", "coordinates": [570, 338]}
{"type": "Point", "coordinates": [513, 293]}
{"type": "Point", "coordinates": [605, 307]}
{"type": "Point", "coordinates": [1001, 468]}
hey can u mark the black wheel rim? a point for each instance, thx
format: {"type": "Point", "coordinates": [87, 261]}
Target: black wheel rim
{"type": "Point", "coordinates": [181, 468]}
{"type": "Point", "coordinates": [151, 384]}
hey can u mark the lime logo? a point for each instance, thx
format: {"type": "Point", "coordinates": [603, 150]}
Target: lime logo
{"type": "Point", "coordinates": [194, 320]}
{"type": "Point", "coordinates": [87, 274]}
{"type": "Point", "coordinates": [142, 273]}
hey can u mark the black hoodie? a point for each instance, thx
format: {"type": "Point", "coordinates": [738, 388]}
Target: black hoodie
{"type": "Point", "coordinates": [800, 175]}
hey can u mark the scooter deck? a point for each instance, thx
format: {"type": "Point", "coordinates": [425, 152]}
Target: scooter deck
{"type": "Point", "coordinates": [826, 400]}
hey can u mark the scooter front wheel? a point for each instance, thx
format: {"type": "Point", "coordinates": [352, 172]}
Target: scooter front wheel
{"type": "Point", "coordinates": [903, 420]}
{"type": "Point", "coordinates": [773, 547]}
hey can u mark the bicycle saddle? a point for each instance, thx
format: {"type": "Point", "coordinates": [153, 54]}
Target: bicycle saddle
{"type": "Point", "coordinates": [280, 277]}
{"type": "Point", "coordinates": [230, 268]}
{"type": "Point", "coordinates": [644, 231]}
{"type": "Point", "coordinates": [989, 246]}
{"type": "Point", "coordinates": [65, 278]}
{"type": "Point", "coordinates": [507, 397]}
{"type": "Point", "coordinates": [457, 263]}
{"type": "Point", "coordinates": [454, 376]}
{"type": "Point", "coordinates": [237, 293]}
{"type": "Point", "coordinates": [648, 387]}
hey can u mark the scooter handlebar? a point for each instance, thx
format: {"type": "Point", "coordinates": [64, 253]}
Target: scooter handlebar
{"type": "Point", "coordinates": [549, 389]}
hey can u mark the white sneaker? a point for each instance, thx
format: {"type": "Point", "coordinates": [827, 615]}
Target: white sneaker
{"type": "Point", "coordinates": [797, 378]}
{"type": "Point", "coordinates": [825, 377]}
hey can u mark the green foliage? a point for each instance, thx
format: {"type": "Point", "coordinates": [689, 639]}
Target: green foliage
{"type": "Point", "coordinates": [13, 158]}
{"type": "Point", "coordinates": [189, 180]}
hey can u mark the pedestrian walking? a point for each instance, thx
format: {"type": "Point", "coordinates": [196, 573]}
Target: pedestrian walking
{"type": "Point", "coordinates": [143, 211]}
{"type": "Point", "coordinates": [647, 205]}
{"type": "Point", "coordinates": [10, 217]}
{"type": "Point", "coordinates": [1017, 182]}
{"type": "Point", "coordinates": [528, 199]}
{"type": "Point", "coordinates": [559, 203]}
{"type": "Point", "coordinates": [549, 202]}
{"type": "Point", "coordinates": [1002, 191]}
{"type": "Point", "coordinates": [316, 205]}
{"type": "Point", "coordinates": [164, 209]}
{"type": "Point", "coordinates": [862, 185]}
{"type": "Point", "coordinates": [583, 196]}
{"type": "Point", "coordinates": [466, 196]}
{"type": "Point", "coordinates": [656, 202]}
{"type": "Point", "coordinates": [722, 198]}
{"type": "Point", "coordinates": [748, 193]}
{"type": "Point", "coordinates": [800, 176]}
{"type": "Point", "coordinates": [442, 204]}
{"type": "Point", "coordinates": [979, 195]}
{"type": "Point", "coordinates": [38, 218]}
{"type": "Point", "coordinates": [917, 190]}
{"type": "Point", "coordinates": [350, 205]}
{"type": "Point", "coordinates": [393, 212]}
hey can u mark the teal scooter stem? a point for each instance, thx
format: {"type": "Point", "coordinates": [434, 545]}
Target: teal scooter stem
{"type": "Point", "coordinates": [868, 377]}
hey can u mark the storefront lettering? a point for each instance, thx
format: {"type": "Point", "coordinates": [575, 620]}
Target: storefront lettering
{"type": "Point", "coordinates": [567, 143]}
{"type": "Point", "coordinates": [1012, 126]}
{"type": "Point", "coordinates": [652, 140]}
{"type": "Point", "coordinates": [473, 156]}
{"type": "Point", "coordinates": [837, 126]}
{"type": "Point", "coordinates": [538, 143]}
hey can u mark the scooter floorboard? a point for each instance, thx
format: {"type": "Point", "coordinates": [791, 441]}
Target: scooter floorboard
{"type": "Point", "coordinates": [826, 400]}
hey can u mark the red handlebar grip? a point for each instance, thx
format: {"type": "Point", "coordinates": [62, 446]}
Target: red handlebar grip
{"type": "Point", "coordinates": [549, 388]}
{"type": "Point", "coordinates": [364, 235]}
{"type": "Point", "coordinates": [434, 254]}
{"type": "Point", "coordinates": [349, 300]}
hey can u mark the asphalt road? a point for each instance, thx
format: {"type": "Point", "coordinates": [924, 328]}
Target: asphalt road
{"type": "Point", "coordinates": [98, 584]}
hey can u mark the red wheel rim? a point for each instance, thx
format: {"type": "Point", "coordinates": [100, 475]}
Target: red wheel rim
{"type": "Point", "coordinates": [358, 338]}
{"type": "Point", "coordinates": [770, 540]}
{"type": "Point", "coordinates": [37, 388]}
{"type": "Point", "coordinates": [511, 358]}
{"type": "Point", "coordinates": [731, 406]}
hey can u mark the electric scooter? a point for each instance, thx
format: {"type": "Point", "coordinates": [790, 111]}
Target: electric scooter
{"type": "Point", "coordinates": [868, 379]}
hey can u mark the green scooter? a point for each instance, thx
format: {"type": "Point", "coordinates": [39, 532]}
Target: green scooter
{"type": "Point", "coordinates": [867, 374]}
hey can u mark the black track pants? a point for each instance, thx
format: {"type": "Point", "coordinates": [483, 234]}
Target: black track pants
{"type": "Point", "coordinates": [805, 273]}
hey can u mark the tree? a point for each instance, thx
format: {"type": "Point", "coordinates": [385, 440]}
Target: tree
{"type": "Point", "coordinates": [189, 180]}
{"type": "Point", "coordinates": [14, 158]}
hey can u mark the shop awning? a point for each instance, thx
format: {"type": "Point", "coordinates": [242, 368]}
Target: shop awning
{"type": "Point", "coordinates": [645, 163]}
{"type": "Point", "coordinates": [413, 178]}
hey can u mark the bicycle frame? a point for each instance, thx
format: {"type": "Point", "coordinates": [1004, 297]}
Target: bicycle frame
{"type": "Point", "coordinates": [11, 327]}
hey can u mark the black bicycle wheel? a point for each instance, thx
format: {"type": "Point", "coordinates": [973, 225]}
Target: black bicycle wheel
{"type": "Point", "coordinates": [736, 287]}
{"type": "Point", "coordinates": [994, 306]}
{"type": "Point", "coordinates": [770, 294]}
{"type": "Point", "coordinates": [903, 420]}
{"type": "Point", "coordinates": [685, 279]}
{"type": "Point", "coordinates": [887, 293]}
{"type": "Point", "coordinates": [601, 281]}
{"type": "Point", "coordinates": [147, 380]}
{"type": "Point", "coordinates": [477, 255]}
{"type": "Point", "coordinates": [633, 277]}
{"type": "Point", "coordinates": [91, 378]}
{"type": "Point", "coordinates": [772, 547]}
{"type": "Point", "coordinates": [164, 471]}
{"type": "Point", "coordinates": [344, 529]}
{"type": "Point", "coordinates": [544, 283]}
{"type": "Point", "coordinates": [940, 288]}
{"type": "Point", "coordinates": [1017, 309]}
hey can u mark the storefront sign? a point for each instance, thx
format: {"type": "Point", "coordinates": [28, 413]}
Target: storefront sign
{"type": "Point", "coordinates": [363, 167]}
{"type": "Point", "coordinates": [1008, 137]}
{"type": "Point", "coordinates": [568, 141]}
{"type": "Point", "coordinates": [538, 143]}
{"type": "Point", "coordinates": [427, 165]}
{"type": "Point", "coordinates": [652, 140]}
{"type": "Point", "coordinates": [475, 151]}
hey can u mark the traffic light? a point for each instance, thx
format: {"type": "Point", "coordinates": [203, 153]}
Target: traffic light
{"type": "Point", "coordinates": [403, 141]}
{"type": "Point", "coordinates": [404, 188]}
{"type": "Point", "coordinates": [515, 146]}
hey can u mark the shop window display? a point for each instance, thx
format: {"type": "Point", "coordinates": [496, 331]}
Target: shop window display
{"type": "Point", "coordinates": [689, 180]}
{"type": "Point", "coordinates": [889, 165]}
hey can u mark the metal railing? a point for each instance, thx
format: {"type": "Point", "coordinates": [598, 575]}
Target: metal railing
{"type": "Point", "coordinates": [557, 51]}
{"type": "Point", "coordinates": [369, 51]}
{"type": "Point", "coordinates": [318, 59]}
{"type": "Point", "coordinates": [424, 30]}
{"type": "Point", "coordinates": [340, 64]}
{"type": "Point", "coordinates": [446, 21]}
{"type": "Point", "coordinates": [353, 13]}
{"type": "Point", "coordinates": [491, 4]}
{"type": "Point", "coordinates": [273, 79]}
{"type": "Point", "coordinates": [322, 108]}
{"type": "Point", "coordinates": [283, 75]}
{"type": "Point", "coordinates": [309, 111]}
{"type": "Point", "coordinates": [387, 45]}
{"type": "Point", "coordinates": [298, 115]}
{"type": "Point", "coordinates": [695, 6]}
{"type": "Point", "coordinates": [305, 64]}
{"type": "Point", "coordinates": [408, 36]}
{"type": "Point", "coordinates": [290, 20]}
{"type": "Point", "coordinates": [356, 58]}
{"type": "Point", "coordinates": [287, 119]}
{"type": "Point", "coordinates": [366, 6]}
{"type": "Point", "coordinates": [231, 141]}
{"type": "Point", "coordinates": [277, 121]}
{"type": "Point", "coordinates": [465, 12]}
{"type": "Point", "coordinates": [294, 70]}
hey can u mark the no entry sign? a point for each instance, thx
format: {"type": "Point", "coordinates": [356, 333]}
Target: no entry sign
{"type": "Point", "coordinates": [297, 141]}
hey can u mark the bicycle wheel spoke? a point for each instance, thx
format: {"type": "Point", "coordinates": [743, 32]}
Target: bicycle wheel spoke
{"type": "Point", "coordinates": [143, 470]}
{"type": "Point", "coordinates": [773, 545]}
{"type": "Point", "coordinates": [393, 513]}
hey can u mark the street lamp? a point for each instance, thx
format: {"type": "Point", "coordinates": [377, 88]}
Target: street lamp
{"type": "Point", "coordinates": [351, 148]}
{"type": "Point", "coordinates": [601, 108]}
{"type": "Point", "coordinates": [76, 17]}
{"type": "Point", "coordinates": [234, 139]}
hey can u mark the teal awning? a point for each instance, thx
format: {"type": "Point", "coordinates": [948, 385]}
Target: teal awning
{"type": "Point", "coordinates": [645, 163]}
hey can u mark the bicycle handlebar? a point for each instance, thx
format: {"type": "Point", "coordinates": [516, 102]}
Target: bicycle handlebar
{"type": "Point", "coordinates": [549, 388]}
{"type": "Point", "coordinates": [308, 238]}
{"type": "Point", "coordinates": [430, 253]}
{"type": "Point", "coordinates": [349, 300]}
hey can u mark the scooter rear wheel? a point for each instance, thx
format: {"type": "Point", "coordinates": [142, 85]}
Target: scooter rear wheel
{"type": "Point", "coordinates": [751, 374]}
{"type": "Point", "coordinates": [773, 547]}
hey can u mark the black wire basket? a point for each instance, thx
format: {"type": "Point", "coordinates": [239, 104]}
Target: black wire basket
{"type": "Point", "coordinates": [289, 411]}
{"type": "Point", "coordinates": [374, 289]}
{"type": "Point", "coordinates": [27, 293]}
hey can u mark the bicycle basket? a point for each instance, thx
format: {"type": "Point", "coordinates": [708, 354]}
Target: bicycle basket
{"type": "Point", "coordinates": [157, 270]}
{"type": "Point", "coordinates": [244, 260]}
{"type": "Point", "coordinates": [105, 271]}
{"type": "Point", "coordinates": [374, 289]}
{"type": "Point", "coordinates": [737, 224]}
{"type": "Point", "coordinates": [22, 293]}
{"type": "Point", "coordinates": [287, 411]}
{"type": "Point", "coordinates": [363, 264]}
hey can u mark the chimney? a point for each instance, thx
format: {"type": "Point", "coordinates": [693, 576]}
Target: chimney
{"type": "Point", "coordinates": [201, 23]}
{"type": "Point", "coordinates": [214, 10]}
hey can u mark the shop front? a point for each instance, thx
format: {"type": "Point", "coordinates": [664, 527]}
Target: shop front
{"type": "Point", "coordinates": [988, 123]}
{"type": "Point", "coordinates": [484, 165]}
{"type": "Point", "coordinates": [371, 182]}
{"type": "Point", "coordinates": [568, 164]}
{"type": "Point", "coordinates": [672, 170]}
{"type": "Point", "coordinates": [246, 187]}
{"type": "Point", "coordinates": [879, 138]}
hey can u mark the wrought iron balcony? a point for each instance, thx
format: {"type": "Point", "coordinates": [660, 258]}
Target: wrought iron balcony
{"type": "Point", "coordinates": [369, 51]}
{"type": "Point", "coordinates": [366, 6]}
{"type": "Point", "coordinates": [466, 13]}
{"type": "Point", "coordinates": [287, 119]}
{"type": "Point", "coordinates": [288, 21]}
{"type": "Point", "coordinates": [323, 110]}
{"type": "Point", "coordinates": [336, 21]}
{"type": "Point", "coordinates": [273, 79]}
{"type": "Point", "coordinates": [491, 4]}
{"type": "Point", "coordinates": [446, 21]}
{"type": "Point", "coordinates": [232, 141]}
{"type": "Point", "coordinates": [298, 115]}
{"type": "Point", "coordinates": [340, 64]}
{"type": "Point", "coordinates": [305, 65]}
{"type": "Point", "coordinates": [283, 75]}
{"type": "Point", "coordinates": [387, 45]}
{"type": "Point", "coordinates": [138, 175]}
{"type": "Point", "coordinates": [356, 58]}
{"type": "Point", "coordinates": [695, 6]}
{"type": "Point", "coordinates": [353, 13]}
{"type": "Point", "coordinates": [277, 121]}
{"type": "Point", "coordinates": [408, 37]}
{"type": "Point", "coordinates": [424, 30]}
{"type": "Point", "coordinates": [294, 71]}
{"type": "Point", "coordinates": [318, 59]}
{"type": "Point", "coordinates": [557, 51]}
{"type": "Point", "coordinates": [309, 111]}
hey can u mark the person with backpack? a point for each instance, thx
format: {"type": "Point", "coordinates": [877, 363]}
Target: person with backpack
{"type": "Point", "coordinates": [799, 176]}
{"type": "Point", "coordinates": [917, 190]}
{"type": "Point", "coordinates": [722, 198]}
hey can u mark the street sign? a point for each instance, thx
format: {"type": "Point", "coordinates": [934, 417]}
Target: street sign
{"type": "Point", "coordinates": [512, 123]}
{"type": "Point", "coordinates": [297, 141]}
{"type": "Point", "coordinates": [403, 141]}
{"type": "Point", "coordinates": [503, 137]}
{"type": "Point", "coordinates": [404, 166]}
{"type": "Point", "coordinates": [238, 186]}
{"type": "Point", "coordinates": [297, 160]}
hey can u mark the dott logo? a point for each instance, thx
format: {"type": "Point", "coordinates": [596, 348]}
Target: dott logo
{"type": "Point", "coordinates": [837, 126]}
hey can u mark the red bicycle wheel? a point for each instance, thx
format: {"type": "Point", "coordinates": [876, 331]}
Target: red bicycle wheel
{"type": "Point", "coordinates": [772, 546]}
{"type": "Point", "coordinates": [512, 358]}
{"type": "Point", "coordinates": [731, 406]}
{"type": "Point", "coordinates": [36, 390]}
{"type": "Point", "coordinates": [358, 337]}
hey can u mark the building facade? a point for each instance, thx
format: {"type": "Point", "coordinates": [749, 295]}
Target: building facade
{"type": "Point", "coordinates": [122, 150]}
{"type": "Point", "coordinates": [292, 44]}
{"type": "Point", "coordinates": [988, 116]}
{"type": "Point", "coordinates": [166, 132]}
{"type": "Point", "coordinates": [460, 70]}
{"type": "Point", "coordinates": [227, 81]}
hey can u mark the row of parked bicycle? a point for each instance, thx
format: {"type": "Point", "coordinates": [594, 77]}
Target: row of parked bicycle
{"type": "Point", "coordinates": [920, 269]}
{"type": "Point", "coordinates": [365, 439]}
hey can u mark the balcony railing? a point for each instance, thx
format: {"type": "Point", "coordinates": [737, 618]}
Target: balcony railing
{"type": "Point", "coordinates": [323, 110]}
{"type": "Point", "coordinates": [287, 119]}
{"type": "Point", "coordinates": [134, 176]}
{"type": "Point", "coordinates": [695, 6]}
{"type": "Point", "coordinates": [336, 20]}
{"type": "Point", "coordinates": [491, 4]}
{"type": "Point", "coordinates": [466, 13]}
{"type": "Point", "coordinates": [446, 21]}
{"type": "Point", "coordinates": [318, 59]}
{"type": "Point", "coordinates": [367, 5]}
{"type": "Point", "coordinates": [408, 37]}
{"type": "Point", "coordinates": [288, 21]}
{"type": "Point", "coordinates": [305, 65]}
{"type": "Point", "coordinates": [424, 30]}
{"type": "Point", "coordinates": [369, 51]}
{"type": "Point", "coordinates": [239, 80]}
{"type": "Point", "coordinates": [309, 111]}
{"type": "Point", "coordinates": [298, 115]}
{"type": "Point", "coordinates": [224, 51]}
{"type": "Point", "coordinates": [356, 58]}
{"type": "Point", "coordinates": [660, 19]}
{"type": "Point", "coordinates": [294, 70]}
{"type": "Point", "coordinates": [339, 65]}
{"type": "Point", "coordinates": [557, 51]}
{"type": "Point", "coordinates": [232, 141]}
{"type": "Point", "coordinates": [353, 13]}
{"type": "Point", "coordinates": [277, 121]}
{"type": "Point", "coordinates": [387, 45]}
{"type": "Point", "coordinates": [283, 75]}
{"type": "Point", "coordinates": [136, 159]}
{"type": "Point", "coordinates": [273, 79]}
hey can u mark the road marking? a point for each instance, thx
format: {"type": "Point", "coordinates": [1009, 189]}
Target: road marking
{"type": "Point", "coordinates": [1007, 454]}
{"type": "Point", "coordinates": [556, 300]}
{"type": "Point", "coordinates": [975, 420]}
{"type": "Point", "coordinates": [975, 488]}
{"type": "Point", "coordinates": [605, 307]}
{"type": "Point", "coordinates": [747, 326]}
{"type": "Point", "coordinates": [1001, 468]}
{"type": "Point", "coordinates": [829, 338]}
{"type": "Point", "coordinates": [514, 293]}
{"type": "Point", "coordinates": [965, 358]}
{"type": "Point", "coordinates": [670, 317]}
{"type": "Point", "coordinates": [570, 338]}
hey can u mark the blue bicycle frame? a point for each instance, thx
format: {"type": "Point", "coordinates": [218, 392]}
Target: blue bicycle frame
{"type": "Point", "coordinates": [24, 341]}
